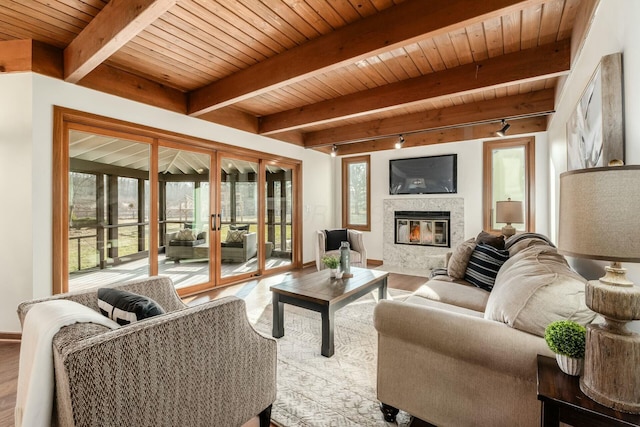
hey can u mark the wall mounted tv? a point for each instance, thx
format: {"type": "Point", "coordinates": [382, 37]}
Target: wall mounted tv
{"type": "Point", "coordinates": [424, 175]}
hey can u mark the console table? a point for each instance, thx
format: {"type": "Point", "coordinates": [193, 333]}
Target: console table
{"type": "Point", "coordinates": [563, 401]}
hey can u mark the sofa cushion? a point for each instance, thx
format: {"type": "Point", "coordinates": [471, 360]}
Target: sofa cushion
{"type": "Point", "coordinates": [522, 236]}
{"type": "Point", "coordinates": [189, 243]}
{"type": "Point", "coordinates": [521, 244]}
{"type": "Point", "coordinates": [535, 288]}
{"type": "Point", "coordinates": [185, 234]}
{"type": "Point", "coordinates": [445, 290]}
{"type": "Point", "coordinates": [335, 239]}
{"type": "Point", "coordinates": [484, 264]}
{"type": "Point", "coordinates": [457, 264]}
{"type": "Point", "coordinates": [425, 302]}
{"type": "Point", "coordinates": [490, 239]}
{"type": "Point", "coordinates": [235, 236]}
{"type": "Point", "coordinates": [126, 307]}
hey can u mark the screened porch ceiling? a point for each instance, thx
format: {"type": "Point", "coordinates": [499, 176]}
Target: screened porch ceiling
{"type": "Point", "coordinates": [135, 155]}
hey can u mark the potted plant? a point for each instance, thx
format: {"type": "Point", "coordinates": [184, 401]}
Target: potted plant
{"type": "Point", "coordinates": [332, 262]}
{"type": "Point", "coordinates": [567, 340]}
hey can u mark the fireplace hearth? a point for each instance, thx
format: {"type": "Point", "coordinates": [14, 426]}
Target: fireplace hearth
{"type": "Point", "coordinates": [422, 228]}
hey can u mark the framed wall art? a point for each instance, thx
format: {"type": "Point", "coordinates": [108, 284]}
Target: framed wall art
{"type": "Point", "coordinates": [595, 130]}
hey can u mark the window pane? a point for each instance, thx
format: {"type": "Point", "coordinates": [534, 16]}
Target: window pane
{"type": "Point", "coordinates": [509, 179]}
{"type": "Point", "coordinates": [358, 193]}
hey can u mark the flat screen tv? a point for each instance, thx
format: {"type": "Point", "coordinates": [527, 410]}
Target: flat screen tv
{"type": "Point", "coordinates": [424, 175]}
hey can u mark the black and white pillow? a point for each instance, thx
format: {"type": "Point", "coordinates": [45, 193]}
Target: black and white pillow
{"type": "Point", "coordinates": [529, 235]}
{"type": "Point", "coordinates": [126, 307]}
{"type": "Point", "coordinates": [484, 264]}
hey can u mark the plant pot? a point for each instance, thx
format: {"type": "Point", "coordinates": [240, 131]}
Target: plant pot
{"type": "Point", "coordinates": [333, 272]}
{"type": "Point", "coordinates": [570, 365]}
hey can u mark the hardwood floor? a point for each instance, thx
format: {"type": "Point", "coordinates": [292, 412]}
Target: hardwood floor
{"type": "Point", "coordinates": [254, 292]}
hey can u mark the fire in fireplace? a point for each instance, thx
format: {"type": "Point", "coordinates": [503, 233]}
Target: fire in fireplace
{"type": "Point", "coordinates": [424, 228]}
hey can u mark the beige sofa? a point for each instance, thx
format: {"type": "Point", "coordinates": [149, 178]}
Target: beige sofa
{"type": "Point", "coordinates": [198, 366]}
{"type": "Point", "coordinates": [453, 354]}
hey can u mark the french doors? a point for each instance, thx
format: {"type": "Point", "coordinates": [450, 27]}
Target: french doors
{"type": "Point", "coordinates": [130, 205]}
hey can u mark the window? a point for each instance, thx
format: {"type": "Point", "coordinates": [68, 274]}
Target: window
{"type": "Point", "coordinates": [356, 193]}
{"type": "Point", "coordinates": [509, 172]}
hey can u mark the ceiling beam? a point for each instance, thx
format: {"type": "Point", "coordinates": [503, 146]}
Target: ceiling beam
{"type": "Point", "coordinates": [30, 55]}
{"type": "Point", "coordinates": [466, 133]}
{"type": "Point", "coordinates": [510, 107]}
{"type": "Point", "coordinates": [523, 66]}
{"type": "Point", "coordinates": [116, 24]}
{"type": "Point", "coordinates": [413, 19]}
{"type": "Point", "coordinates": [114, 81]}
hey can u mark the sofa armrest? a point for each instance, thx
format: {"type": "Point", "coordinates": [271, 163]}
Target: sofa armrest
{"type": "Point", "coordinates": [201, 363]}
{"type": "Point", "coordinates": [357, 244]}
{"type": "Point", "coordinates": [478, 341]}
{"type": "Point", "coordinates": [249, 245]}
{"type": "Point", "coordinates": [320, 245]}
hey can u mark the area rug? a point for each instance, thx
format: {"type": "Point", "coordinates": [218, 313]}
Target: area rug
{"type": "Point", "coordinates": [316, 391]}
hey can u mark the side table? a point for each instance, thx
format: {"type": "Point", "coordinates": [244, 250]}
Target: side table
{"type": "Point", "coordinates": [563, 401]}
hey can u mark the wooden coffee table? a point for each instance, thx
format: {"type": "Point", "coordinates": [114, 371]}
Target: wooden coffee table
{"type": "Point", "coordinates": [318, 292]}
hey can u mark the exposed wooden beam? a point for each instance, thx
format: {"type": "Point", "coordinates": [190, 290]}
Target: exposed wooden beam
{"type": "Point", "coordinates": [413, 19]}
{"type": "Point", "coordinates": [509, 107]}
{"type": "Point", "coordinates": [518, 67]}
{"type": "Point", "coordinates": [232, 117]}
{"type": "Point", "coordinates": [130, 86]}
{"type": "Point", "coordinates": [486, 130]}
{"type": "Point", "coordinates": [30, 55]}
{"type": "Point", "coordinates": [116, 24]}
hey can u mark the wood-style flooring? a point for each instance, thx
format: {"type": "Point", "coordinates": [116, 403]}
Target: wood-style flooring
{"type": "Point", "coordinates": [254, 292]}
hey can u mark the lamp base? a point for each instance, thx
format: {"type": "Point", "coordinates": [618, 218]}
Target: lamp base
{"type": "Point", "coordinates": [611, 369]}
{"type": "Point", "coordinates": [508, 230]}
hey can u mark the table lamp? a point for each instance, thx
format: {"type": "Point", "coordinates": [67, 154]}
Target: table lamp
{"type": "Point", "coordinates": [599, 210]}
{"type": "Point", "coordinates": [509, 212]}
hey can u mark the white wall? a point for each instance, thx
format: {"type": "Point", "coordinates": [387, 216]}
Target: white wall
{"type": "Point", "coordinates": [470, 186]}
{"type": "Point", "coordinates": [26, 135]}
{"type": "Point", "coordinates": [614, 29]}
{"type": "Point", "coordinates": [16, 169]}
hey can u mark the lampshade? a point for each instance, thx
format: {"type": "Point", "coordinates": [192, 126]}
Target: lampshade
{"type": "Point", "coordinates": [509, 212]}
{"type": "Point", "coordinates": [599, 209]}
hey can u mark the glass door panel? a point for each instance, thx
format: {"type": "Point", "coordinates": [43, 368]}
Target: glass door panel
{"type": "Point", "coordinates": [184, 216]}
{"type": "Point", "coordinates": [238, 217]}
{"type": "Point", "coordinates": [278, 216]}
{"type": "Point", "coordinates": [108, 209]}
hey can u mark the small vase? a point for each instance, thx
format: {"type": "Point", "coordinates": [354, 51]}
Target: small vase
{"type": "Point", "coordinates": [333, 271]}
{"type": "Point", "coordinates": [570, 365]}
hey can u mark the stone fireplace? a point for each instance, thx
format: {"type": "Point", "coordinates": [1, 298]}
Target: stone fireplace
{"type": "Point", "coordinates": [438, 233]}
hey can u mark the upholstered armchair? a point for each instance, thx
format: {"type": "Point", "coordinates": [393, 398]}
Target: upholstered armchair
{"type": "Point", "coordinates": [194, 366]}
{"type": "Point", "coordinates": [328, 243]}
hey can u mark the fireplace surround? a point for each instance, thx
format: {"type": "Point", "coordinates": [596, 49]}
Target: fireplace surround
{"type": "Point", "coordinates": [414, 256]}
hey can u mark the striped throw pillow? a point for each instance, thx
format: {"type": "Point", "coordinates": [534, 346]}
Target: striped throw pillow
{"type": "Point", "coordinates": [483, 266]}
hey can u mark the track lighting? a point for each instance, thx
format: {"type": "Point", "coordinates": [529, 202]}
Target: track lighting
{"type": "Point", "coordinates": [334, 150]}
{"type": "Point", "coordinates": [505, 127]}
{"type": "Point", "coordinates": [400, 142]}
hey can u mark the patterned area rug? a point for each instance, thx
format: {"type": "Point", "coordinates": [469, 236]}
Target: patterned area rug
{"type": "Point", "coordinates": [315, 391]}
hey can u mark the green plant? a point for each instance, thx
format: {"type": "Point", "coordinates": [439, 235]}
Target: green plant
{"type": "Point", "coordinates": [566, 337]}
{"type": "Point", "coordinates": [331, 261]}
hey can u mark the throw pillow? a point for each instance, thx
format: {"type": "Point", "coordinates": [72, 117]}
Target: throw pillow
{"type": "Point", "coordinates": [334, 239]}
{"type": "Point", "coordinates": [457, 265]}
{"type": "Point", "coordinates": [235, 236]}
{"type": "Point", "coordinates": [491, 240]}
{"type": "Point", "coordinates": [483, 266]}
{"type": "Point", "coordinates": [239, 227]}
{"type": "Point", "coordinates": [185, 234]}
{"type": "Point", "coordinates": [535, 288]}
{"type": "Point", "coordinates": [125, 307]}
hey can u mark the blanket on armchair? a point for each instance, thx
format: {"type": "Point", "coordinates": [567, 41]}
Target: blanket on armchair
{"type": "Point", "coordinates": [34, 400]}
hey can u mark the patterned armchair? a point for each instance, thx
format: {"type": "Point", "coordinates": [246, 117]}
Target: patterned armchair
{"type": "Point", "coordinates": [196, 366]}
{"type": "Point", "coordinates": [324, 246]}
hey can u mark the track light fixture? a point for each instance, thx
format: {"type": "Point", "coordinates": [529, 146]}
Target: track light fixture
{"type": "Point", "coordinates": [400, 142]}
{"type": "Point", "coordinates": [505, 127]}
{"type": "Point", "coordinates": [334, 150]}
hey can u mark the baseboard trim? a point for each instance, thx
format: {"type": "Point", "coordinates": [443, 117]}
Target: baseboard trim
{"type": "Point", "coordinates": [10, 336]}
{"type": "Point", "coordinates": [309, 264]}
{"type": "Point", "coordinates": [374, 262]}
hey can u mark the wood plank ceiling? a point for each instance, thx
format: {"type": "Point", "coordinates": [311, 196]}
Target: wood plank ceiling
{"type": "Point", "coordinates": [351, 73]}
